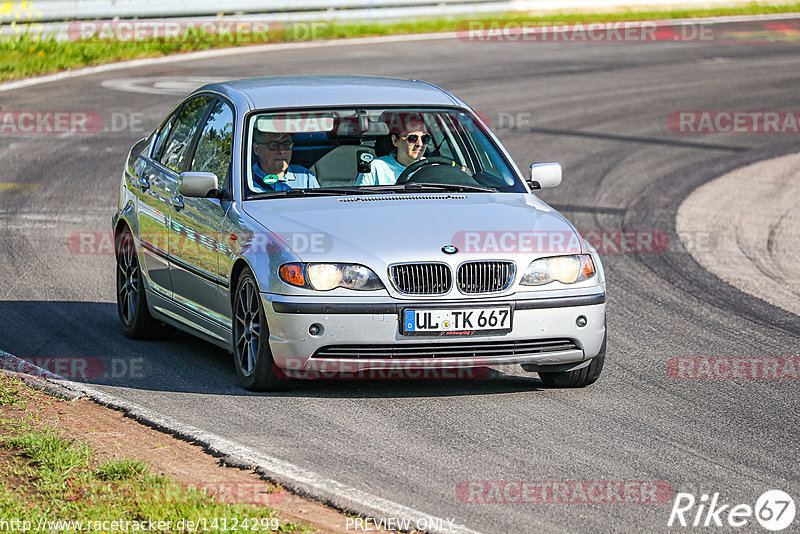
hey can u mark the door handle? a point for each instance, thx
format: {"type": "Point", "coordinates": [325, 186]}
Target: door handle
{"type": "Point", "coordinates": [177, 202]}
{"type": "Point", "coordinates": [144, 183]}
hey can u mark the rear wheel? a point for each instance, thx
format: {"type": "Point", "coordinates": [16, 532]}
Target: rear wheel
{"type": "Point", "coordinates": [580, 377]}
{"type": "Point", "coordinates": [255, 366]}
{"type": "Point", "coordinates": [135, 318]}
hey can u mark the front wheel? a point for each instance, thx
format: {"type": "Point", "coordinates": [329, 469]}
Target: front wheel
{"type": "Point", "coordinates": [255, 366]}
{"type": "Point", "coordinates": [578, 378]}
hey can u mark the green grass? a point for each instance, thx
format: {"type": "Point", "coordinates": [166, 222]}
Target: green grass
{"type": "Point", "coordinates": [30, 55]}
{"type": "Point", "coordinates": [125, 469]}
{"type": "Point", "coordinates": [59, 482]}
{"type": "Point", "coordinates": [46, 474]}
{"type": "Point", "coordinates": [51, 456]}
{"type": "Point", "coordinates": [9, 396]}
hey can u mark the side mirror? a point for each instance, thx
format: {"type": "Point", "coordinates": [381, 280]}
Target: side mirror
{"type": "Point", "coordinates": [544, 175]}
{"type": "Point", "coordinates": [197, 184]}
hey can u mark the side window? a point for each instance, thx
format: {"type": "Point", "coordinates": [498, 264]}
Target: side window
{"type": "Point", "coordinates": [213, 153]}
{"type": "Point", "coordinates": [182, 132]}
{"type": "Point", "coordinates": [162, 136]}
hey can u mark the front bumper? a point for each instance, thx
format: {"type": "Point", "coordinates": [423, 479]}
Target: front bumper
{"type": "Point", "coordinates": [350, 326]}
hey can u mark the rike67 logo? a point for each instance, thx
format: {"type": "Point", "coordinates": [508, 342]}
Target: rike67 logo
{"type": "Point", "coordinates": [774, 510]}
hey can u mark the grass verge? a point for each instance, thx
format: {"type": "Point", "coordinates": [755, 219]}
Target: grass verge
{"type": "Point", "coordinates": [29, 55]}
{"type": "Point", "coordinates": [51, 482]}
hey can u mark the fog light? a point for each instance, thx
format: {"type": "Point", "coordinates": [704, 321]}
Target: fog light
{"type": "Point", "coordinates": [581, 321]}
{"type": "Point", "coordinates": [315, 329]}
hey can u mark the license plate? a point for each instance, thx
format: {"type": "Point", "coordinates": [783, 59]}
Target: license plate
{"type": "Point", "coordinates": [456, 321]}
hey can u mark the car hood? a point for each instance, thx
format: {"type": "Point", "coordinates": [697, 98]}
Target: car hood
{"type": "Point", "coordinates": [378, 230]}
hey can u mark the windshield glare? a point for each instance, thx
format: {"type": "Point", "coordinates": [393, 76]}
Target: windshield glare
{"type": "Point", "coordinates": [372, 149]}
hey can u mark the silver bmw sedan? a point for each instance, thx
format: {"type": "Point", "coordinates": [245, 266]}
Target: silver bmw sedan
{"type": "Point", "coordinates": [352, 227]}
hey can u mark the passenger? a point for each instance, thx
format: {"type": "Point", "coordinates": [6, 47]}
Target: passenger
{"type": "Point", "coordinates": [410, 139]}
{"type": "Point", "coordinates": [273, 171]}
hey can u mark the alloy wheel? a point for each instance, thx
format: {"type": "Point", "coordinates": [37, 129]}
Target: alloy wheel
{"type": "Point", "coordinates": [247, 327]}
{"type": "Point", "coordinates": [127, 279]}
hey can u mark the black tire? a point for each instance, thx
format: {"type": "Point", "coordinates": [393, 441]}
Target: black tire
{"type": "Point", "coordinates": [134, 316]}
{"type": "Point", "coordinates": [255, 367]}
{"type": "Point", "coordinates": [579, 378]}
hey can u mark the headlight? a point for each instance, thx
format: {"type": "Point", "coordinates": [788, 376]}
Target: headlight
{"type": "Point", "coordinates": [564, 269]}
{"type": "Point", "coordinates": [324, 276]}
{"type": "Point", "coordinates": [327, 276]}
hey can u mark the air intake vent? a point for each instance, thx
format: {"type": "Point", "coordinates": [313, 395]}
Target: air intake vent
{"type": "Point", "coordinates": [401, 197]}
{"type": "Point", "coordinates": [464, 349]}
{"type": "Point", "coordinates": [421, 278]}
{"type": "Point", "coordinates": [485, 276]}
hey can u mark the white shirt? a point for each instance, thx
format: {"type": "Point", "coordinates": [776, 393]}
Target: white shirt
{"type": "Point", "coordinates": [383, 171]}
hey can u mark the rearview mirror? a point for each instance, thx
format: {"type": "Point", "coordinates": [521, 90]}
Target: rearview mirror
{"type": "Point", "coordinates": [544, 175]}
{"type": "Point", "coordinates": [197, 184]}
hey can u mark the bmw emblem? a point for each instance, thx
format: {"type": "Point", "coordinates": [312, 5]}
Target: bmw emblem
{"type": "Point", "coordinates": [449, 249]}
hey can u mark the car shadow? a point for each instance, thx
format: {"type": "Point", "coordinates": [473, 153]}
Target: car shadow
{"type": "Point", "coordinates": [82, 341]}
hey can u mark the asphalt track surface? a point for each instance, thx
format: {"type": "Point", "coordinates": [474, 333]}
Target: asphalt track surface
{"type": "Point", "coordinates": [598, 109]}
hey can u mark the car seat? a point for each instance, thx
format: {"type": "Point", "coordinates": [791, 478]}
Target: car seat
{"type": "Point", "coordinates": [339, 167]}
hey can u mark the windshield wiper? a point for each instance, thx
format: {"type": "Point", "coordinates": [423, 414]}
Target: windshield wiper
{"type": "Point", "coordinates": [424, 186]}
{"type": "Point", "coordinates": [313, 192]}
{"type": "Point", "coordinates": [410, 187]}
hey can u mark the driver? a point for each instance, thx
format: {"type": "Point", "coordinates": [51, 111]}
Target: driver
{"type": "Point", "coordinates": [272, 170]}
{"type": "Point", "coordinates": [408, 135]}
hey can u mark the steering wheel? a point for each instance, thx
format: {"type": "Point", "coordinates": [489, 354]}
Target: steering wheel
{"type": "Point", "coordinates": [405, 176]}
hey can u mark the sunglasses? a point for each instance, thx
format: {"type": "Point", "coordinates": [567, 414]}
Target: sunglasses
{"type": "Point", "coordinates": [275, 145]}
{"type": "Point", "coordinates": [413, 138]}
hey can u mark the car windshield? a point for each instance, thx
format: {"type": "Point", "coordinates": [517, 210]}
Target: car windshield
{"type": "Point", "coordinates": [372, 150]}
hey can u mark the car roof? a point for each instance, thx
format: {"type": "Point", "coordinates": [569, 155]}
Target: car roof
{"type": "Point", "coordinates": [321, 91]}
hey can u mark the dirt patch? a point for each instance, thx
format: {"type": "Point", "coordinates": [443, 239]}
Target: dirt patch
{"type": "Point", "coordinates": [8, 465]}
{"type": "Point", "coordinates": [113, 435]}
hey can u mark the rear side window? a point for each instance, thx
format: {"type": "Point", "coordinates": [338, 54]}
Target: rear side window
{"type": "Point", "coordinates": [182, 132]}
{"type": "Point", "coordinates": [213, 153]}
